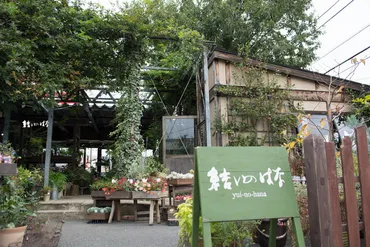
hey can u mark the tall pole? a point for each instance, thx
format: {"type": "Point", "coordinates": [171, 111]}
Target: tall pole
{"type": "Point", "coordinates": [49, 140]}
{"type": "Point", "coordinates": [206, 98]}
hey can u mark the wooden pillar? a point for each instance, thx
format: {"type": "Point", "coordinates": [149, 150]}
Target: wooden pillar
{"type": "Point", "coordinates": [7, 116]}
{"type": "Point", "coordinates": [48, 145]}
{"type": "Point", "coordinates": [76, 144]}
{"type": "Point", "coordinates": [84, 158]}
{"type": "Point", "coordinates": [318, 191]}
{"type": "Point", "coordinates": [98, 164]}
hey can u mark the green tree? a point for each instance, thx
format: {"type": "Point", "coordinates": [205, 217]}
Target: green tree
{"type": "Point", "coordinates": [49, 46]}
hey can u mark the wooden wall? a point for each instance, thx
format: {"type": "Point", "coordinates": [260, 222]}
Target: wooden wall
{"type": "Point", "coordinates": [311, 94]}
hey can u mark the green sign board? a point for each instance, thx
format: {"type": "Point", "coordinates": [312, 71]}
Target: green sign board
{"type": "Point", "coordinates": [243, 183]}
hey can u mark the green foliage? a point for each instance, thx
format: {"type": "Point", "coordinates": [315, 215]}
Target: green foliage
{"type": "Point", "coordinates": [223, 233]}
{"type": "Point", "coordinates": [58, 179]}
{"type": "Point", "coordinates": [99, 210]}
{"type": "Point", "coordinates": [100, 184]}
{"type": "Point", "coordinates": [78, 176]}
{"type": "Point", "coordinates": [153, 166]}
{"type": "Point", "coordinates": [48, 46]}
{"type": "Point", "coordinates": [362, 108]}
{"type": "Point", "coordinates": [128, 145]}
{"type": "Point", "coordinates": [15, 208]}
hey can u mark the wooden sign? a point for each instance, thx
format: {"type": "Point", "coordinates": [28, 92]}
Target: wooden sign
{"type": "Point", "coordinates": [243, 183]}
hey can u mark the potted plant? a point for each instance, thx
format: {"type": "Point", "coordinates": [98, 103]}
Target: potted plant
{"type": "Point", "coordinates": [151, 187]}
{"type": "Point", "coordinates": [117, 189]}
{"type": "Point", "coordinates": [59, 181]}
{"type": "Point", "coordinates": [14, 212]}
{"type": "Point", "coordinates": [96, 213]}
{"type": "Point", "coordinates": [97, 188]}
{"type": "Point", "coordinates": [46, 192]}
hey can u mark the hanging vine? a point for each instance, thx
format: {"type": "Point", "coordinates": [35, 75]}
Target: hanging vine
{"type": "Point", "coordinates": [128, 145]}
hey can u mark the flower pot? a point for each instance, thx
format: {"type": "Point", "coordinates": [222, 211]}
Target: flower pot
{"type": "Point", "coordinates": [46, 197]}
{"type": "Point", "coordinates": [54, 193]}
{"type": "Point", "coordinates": [60, 194]}
{"type": "Point", "coordinates": [12, 236]}
{"type": "Point", "coordinates": [261, 236]}
{"type": "Point", "coordinates": [119, 195]}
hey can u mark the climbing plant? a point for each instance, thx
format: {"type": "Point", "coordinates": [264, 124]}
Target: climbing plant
{"type": "Point", "coordinates": [128, 143]}
{"type": "Point", "coordinates": [259, 111]}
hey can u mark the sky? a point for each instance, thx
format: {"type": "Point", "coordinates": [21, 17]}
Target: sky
{"type": "Point", "coordinates": [352, 19]}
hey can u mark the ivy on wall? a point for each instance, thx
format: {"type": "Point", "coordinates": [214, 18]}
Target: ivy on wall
{"type": "Point", "coordinates": [259, 106]}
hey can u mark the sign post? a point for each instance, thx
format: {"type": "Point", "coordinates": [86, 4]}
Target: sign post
{"type": "Point", "coordinates": [243, 183]}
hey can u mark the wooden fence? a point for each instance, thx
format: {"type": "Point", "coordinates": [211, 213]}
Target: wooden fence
{"type": "Point", "coordinates": [326, 205]}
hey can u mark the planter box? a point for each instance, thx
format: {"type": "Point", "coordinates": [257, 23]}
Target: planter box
{"type": "Point", "coordinates": [8, 169]}
{"type": "Point", "coordinates": [186, 181]}
{"type": "Point", "coordinates": [150, 195]}
{"type": "Point", "coordinates": [95, 194]}
{"type": "Point", "coordinates": [98, 216]}
{"type": "Point", "coordinates": [119, 195]}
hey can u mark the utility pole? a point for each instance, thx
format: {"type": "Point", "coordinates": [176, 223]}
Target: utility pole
{"type": "Point", "coordinates": [49, 140]}
{"type": "Point", "coordinates": [206, 98]}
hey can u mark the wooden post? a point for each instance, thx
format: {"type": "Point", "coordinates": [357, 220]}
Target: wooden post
{"type": "Point", "coordinates": [206, 98]}
{"type": "Point", "coordinates": [98, 165]}
{"type": "Point", "coordinates": [7, 116]}
{"type": "Point", "coordinates": [76, 144]}
{"type": "Point", "coordinates": [84, 162]}
{"type": "Point", "coordinates": [318, 191]}
{"type": "Point", "coordinates": [336, 218]}
{"type": "Point", "coordinates": [350, 193]}
{"type": "Point", "coordinates": [49, 140]}
{"type": "Point", "coordinates": [364, 168]}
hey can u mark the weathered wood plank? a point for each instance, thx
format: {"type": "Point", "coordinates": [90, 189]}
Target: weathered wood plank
{"type": "Point", "coordinates": [336, 220]}
{"type": "Point", "coordinates": [364, 169]}
{"type": "Point", "coordinates": [228, 73]}
{"type": "Point", "coordinates": [318, 191]}
{"type": "Point", "coordinates": [8, 169]}
{"type": "Point", "coordinates": [350, 193]}
{"type": "Point", "coordinates": [341, 180]}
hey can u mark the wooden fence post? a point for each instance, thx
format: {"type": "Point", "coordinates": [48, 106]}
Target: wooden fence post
{"type": "Point", "coordinates": [318, 191]}
{"type": "Point", "coordinates": [350, 192]}
{"type": "Point", "coordinates": [364, 169]}
{"type": "Point", "coordinates": [336, 219]}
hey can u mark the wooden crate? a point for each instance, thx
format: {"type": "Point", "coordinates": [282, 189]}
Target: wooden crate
{"type": "Point", "coordinates": [119, 195]}
{"type": "Point", "coordinates": [181, 181]}
{"type": "Point", "coordinates": [98, 216]}
{"type": "Point", "coordinates": [8, 169]}
{"type": "Point", "coordinates": [150, 195]}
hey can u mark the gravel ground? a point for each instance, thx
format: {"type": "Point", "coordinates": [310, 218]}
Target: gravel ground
{"type": "Point", "coordinates": [118, 234]}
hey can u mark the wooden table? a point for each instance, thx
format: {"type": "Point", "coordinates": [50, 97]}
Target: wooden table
{"type": "Point", "coordinates": [154, 205]}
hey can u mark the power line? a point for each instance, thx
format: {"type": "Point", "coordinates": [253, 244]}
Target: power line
{"type": "Point", "coordinates": [347, 60]}
{"type": "Point", "coordinates": [336, 14]}
{"type": "Point", "coordinates": [344, 42]}
{"type": "Point", "coordinates": [328, 10]}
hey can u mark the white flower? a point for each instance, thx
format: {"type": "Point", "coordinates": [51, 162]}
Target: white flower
{"type": "Point", "coordinates": [114, 181]}
{"type": "Point", "coordinates": [144, 180]}
{"type": "Point", "coordinates": [131, 181]}
{"type": "Point", "coordinates": [158, 180]}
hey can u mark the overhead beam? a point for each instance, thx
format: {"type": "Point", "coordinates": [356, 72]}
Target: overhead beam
{"type": "Point", "coordinates": [91, 117]}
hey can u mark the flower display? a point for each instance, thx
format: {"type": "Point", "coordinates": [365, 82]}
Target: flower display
{"type": "Point", "coordinates": [175, 175]}
{"type": "Point", "coordinates": [147, 185]}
